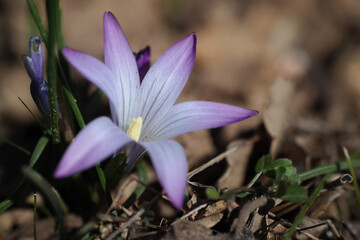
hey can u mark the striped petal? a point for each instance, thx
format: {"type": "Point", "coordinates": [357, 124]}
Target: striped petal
{"type": "Point", "coordinates": [165, 80]}
{"type": "Point", "coordinates": [97, 141]}
{"type": "Point", "coordinates": [195, 115]}
{"type": "Point", "coordinates": [169, 161]}
{"type": "Point", "coordinates": [121, 61]}
{"type": "Point", "coordinates": [96, 72]}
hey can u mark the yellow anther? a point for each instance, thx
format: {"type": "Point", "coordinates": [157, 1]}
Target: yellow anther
{"type": "Point", "coordinates": [134, 130]}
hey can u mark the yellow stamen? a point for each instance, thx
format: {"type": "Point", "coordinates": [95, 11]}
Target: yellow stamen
{"type": "Point", "coordinates": [134, 130]}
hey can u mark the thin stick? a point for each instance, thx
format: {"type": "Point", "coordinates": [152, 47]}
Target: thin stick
{"type": "Point", "coordinates": [213, 161]}
{"type": "Point", "coordinates": [219, 158]}
{"type": "Point", "coordinates": [131, 220]}
{"type": "Point", "coordinates": [190, 213]}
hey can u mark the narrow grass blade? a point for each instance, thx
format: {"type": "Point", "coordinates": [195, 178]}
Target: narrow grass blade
{"type": "Point", "coordinates": [35, 14]}
{"type": "Point", "coordinates": [104, 186]}
{"type": "Point", "coordinates": [306, 206]}
{"type": "Point", "coordinates": [340, 166]}
{"type": "Point", "coordinates": [48, 192]}
{"type": "Point", "coordinates": [40, 146]}
{"type": "Point", "coordinates": [34, 116]}
{"type": "Point", "coordinates": [18, 147]}
{"type": "Point", "coordinates": [353, 175]}
{"type": "Point", "coordinates": [74, 108]}
{"type": "Point", "coordinates": [5, 205]}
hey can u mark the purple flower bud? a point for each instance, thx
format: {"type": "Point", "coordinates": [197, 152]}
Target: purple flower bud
{"type": "Point", "coordinates": [35, 68]}
{"type": "Point", "coordinates": [143, 61]}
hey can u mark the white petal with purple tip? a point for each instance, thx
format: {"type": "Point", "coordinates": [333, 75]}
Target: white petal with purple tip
{"type": "Point", "coordinates": [98, 140]}
{"type": "Point", "coordinates": [96, 72]}
{"type": "Point", "coordinates": [169, 161]}
{"type": "Point", "coordinates": [165, 80]}
{"type": "Point", "coordinates": [121, 61]}
{"type": "Point", "coordinates": [195, 115]}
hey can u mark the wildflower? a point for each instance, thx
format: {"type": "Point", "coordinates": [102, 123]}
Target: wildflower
{"type": "Point", "coordinates": [34, 68]}
{"type": "Point", "coordinates": [144, 116]}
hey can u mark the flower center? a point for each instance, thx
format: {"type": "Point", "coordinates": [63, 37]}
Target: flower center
{"type": "Point", "coordinates": [134, 130]}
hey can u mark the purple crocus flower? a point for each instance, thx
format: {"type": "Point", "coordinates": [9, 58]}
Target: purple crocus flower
{"type": "Point", "coordinates": [143, 62]}
{"type": "Point", "coordinates": [144, 116]}
{"type": "Point", "coordinates": [35, 69]}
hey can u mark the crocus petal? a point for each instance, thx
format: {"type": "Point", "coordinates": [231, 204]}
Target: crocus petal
{"type": "Point", "coordinates": [169, 161]}
{"type": "Point", "coordinates": [96, 72]}
{"type": "Point", "coordinates": [36, 57]}
{"type": "Point", "coordinates": [143, 62]}
{"type": "Point", "coordinates": [39, 93]}
{"type": "Point", "coordinates": [97, 141]}
{"type": "Point", "coordinates": [165, 80]}
{"type": "Point", "coordinates": [34, 62]}
{"type": "Point", "coordinates": [135, 152]}
{"type": "Point", "coordinates": [120, 60]}
{"type": "Point", "coordinates": [195, 115]}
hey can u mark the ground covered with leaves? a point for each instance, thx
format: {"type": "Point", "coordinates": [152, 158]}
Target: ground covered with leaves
{"type": "Point", "coordinates": [290, 172]}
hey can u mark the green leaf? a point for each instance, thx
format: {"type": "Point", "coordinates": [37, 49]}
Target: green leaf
{"type": "Point", "coordinates": [243, 195]}
{"type": "Point", "coordinates": [212, 193]}
{"type": "Point", "coordinates": [291, 193]}
{"type": "Point", "coordinates": [282, 162]}
{"type": "Point", "coordinates": [263, 163]}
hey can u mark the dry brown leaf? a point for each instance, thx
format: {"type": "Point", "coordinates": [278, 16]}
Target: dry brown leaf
{"type": "Point", "coordinates": [277, 112]}
{"type": "Point", "coordinates": [237, 164]}
{"type": "Point", "coordinates": [276, 231]}
{"type": "Point", "coordinates": [323, 205]}
{"type": "Point", "coordinates": [240, 225]}
{"type": "Point", "coordinates": [185, 230]}
{"type": "Point", "coordinates": [213, 214]}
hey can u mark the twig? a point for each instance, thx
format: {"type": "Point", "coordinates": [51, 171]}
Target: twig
{"type": "Point", "coordinates": [189, 213]}
{"type": "Point", "coordinates": [131, 220]}
{"type": "Point", "coordinates": [216, 159]}
{"type": "Point", "coordinates": [288, 224]}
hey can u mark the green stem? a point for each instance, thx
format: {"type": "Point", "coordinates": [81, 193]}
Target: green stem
{"type": "Point", "coordinates": [51, 6]}
{"type": "Point", "coordinates": [305, 208]}
{"type": "Point", "coordinates": [340, 166]}
{"type": "Point", "coordinates": [35, 14]}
